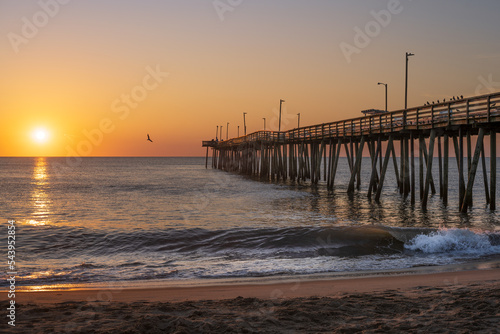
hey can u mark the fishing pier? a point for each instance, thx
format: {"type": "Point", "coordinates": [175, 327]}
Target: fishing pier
{"type": "Point", "coordinates": [299, 154]}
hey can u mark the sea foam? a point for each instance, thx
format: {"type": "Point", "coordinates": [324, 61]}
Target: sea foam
{"type": "Point", "coordinates": [453, 240]}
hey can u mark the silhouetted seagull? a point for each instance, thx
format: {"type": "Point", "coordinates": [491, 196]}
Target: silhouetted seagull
{"type": "Point", "coordinates": [149, 138]}
{"type": "Point", "coordinates": [438, 101]}
{"type": "Point", "coordinates": [461, 96]}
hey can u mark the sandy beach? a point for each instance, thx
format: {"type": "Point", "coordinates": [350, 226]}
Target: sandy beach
{"type": "Point", "coordinates": [463, 301]}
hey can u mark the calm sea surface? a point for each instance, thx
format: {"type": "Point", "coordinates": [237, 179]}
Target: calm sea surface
{"type": "Point", "coordinates": [97, 220]}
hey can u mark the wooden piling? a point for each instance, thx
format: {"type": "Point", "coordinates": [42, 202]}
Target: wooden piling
{"type": "Point", "coordinates": [357, 166]}
{"type": "Point", "coordinates": [485, 175]}
{"type": "Point", "coordinates": [412, 148]}
{"type": "Point", "coordinates": [384, 169]}
{"type": "Point", "coordinates": [407, 168]}
{"type": "Point", "coordinates": [429, 169]}
{"type": "Point", "coordinates": [421, 144]}
{"type": "Point", "coordinates": [335, 163]}
{"type": "Point", "coordinates": [467, 200]}
{"type": "Point", "coordinates": [440, 162]}
{"type": "Point", "coordinates": [371, 186]}
{"type": "Point", "coordinates": [493, 169]}
{"type": "Point", "coordinates": [461, 190]}
{"type": "Point", "coordinates": [445, 170]}
{"type": "Point", "coordinates": [394, 160]}
{"type": "Point", "coordinates": [426, 158]}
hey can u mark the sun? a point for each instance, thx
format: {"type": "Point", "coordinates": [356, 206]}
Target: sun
{"type": "Point", "coordinates": [40, 135]}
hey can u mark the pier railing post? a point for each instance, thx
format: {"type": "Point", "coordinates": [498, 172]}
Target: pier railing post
{"type": "Point", "coordinates": [432, 117]}
{"type": "Point", "coordinates": [449, 113]}
{"type": "Point", "coordinates": [489, 109]}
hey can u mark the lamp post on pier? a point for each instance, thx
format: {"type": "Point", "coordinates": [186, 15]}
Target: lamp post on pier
{"type": "Point", "coordinates": [217, 132]}
{"type": "Point", "coordinates": [408, 54]}
{"type": "Point", "coordinates": [381, 83]}
{"type": "Point", "coordinates": [227, 131]}
{"type": "Point", "coordinates": [279, 126]}
{"type": "Point", "coordinates": [238, 130]}
{"type": "Point", "coordinates": [244, 124]}
{"type": "Point", "coordinates": [221, 132]}
{"type": "Point", "coordinates": [298, 120]}
{"type": "Point", "coordinates": [264, 123]}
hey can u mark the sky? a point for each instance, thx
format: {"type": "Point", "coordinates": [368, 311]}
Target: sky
{"type": "Point", "coordinates": [93, 78]}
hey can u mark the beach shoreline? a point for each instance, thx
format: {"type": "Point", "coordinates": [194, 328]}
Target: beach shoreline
{"type": "Point", "coordinates": [466, 300]}
{"type": "Point", "coordinates": [299, 287]}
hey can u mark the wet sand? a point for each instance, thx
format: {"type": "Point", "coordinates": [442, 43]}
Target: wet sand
{"type": "Point", "coordinates": [464, 301]}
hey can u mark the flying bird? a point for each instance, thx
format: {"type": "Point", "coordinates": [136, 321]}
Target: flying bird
{"type": "Point", "coordinates": [149, 139]}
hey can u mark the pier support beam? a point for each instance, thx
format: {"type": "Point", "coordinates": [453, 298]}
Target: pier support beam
{"type": "Point", "coordinates": [395, 161]}
{"type": "Point", "coordinates": [421, 144]}
{"type": "Point", "coordinates": [467, 201]}
{"type": "Point", "coordinates": [206, 159]}
{"type": "Point", "coordinates": [426, 159]}
{"type": "Point", "coordinates": [407, 168]}
{"type": "Point", "coordinates": [357, 166]}
{"type": "Point", "coordinates": [335, 163]}
{"type": "Point", "coordinates": [461, 191]}
{"type": "Point", "coordinates": [389, 149]}
{"type": "Point", "coordinates": [485, 175]}
{"type": "Point", "coordinates": [440, 162]}
{"type": "Point", "coordinates": [445, 169]}
{"type": "Point", "coordinates": [373, 176]}
{"type": "Point", "coordinates": [412, 148]}
{"type": "Point", "coordinates": [493, 169]}
{"type": "Point", "coordinates": [429, 169]}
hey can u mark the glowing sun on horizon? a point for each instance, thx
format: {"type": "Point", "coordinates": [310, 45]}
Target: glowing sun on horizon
{"type": "Point", "coordinates": [40, 135]}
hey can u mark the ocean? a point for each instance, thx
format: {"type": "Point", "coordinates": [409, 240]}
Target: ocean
{"type": "Point", "coordinates": [90, 222]}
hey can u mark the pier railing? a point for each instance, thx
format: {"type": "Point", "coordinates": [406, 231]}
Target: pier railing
{"type": "Point", "coordinates": [466, 111]}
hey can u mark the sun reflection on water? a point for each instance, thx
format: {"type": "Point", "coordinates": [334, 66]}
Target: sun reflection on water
{"type": "Point", "coordinates": [43, 288]}
{"type": "Point", "coordinates": [39, 195]}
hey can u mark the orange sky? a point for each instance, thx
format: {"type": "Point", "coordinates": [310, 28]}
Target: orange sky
{"type": "Point", "coordinates": [99, 77]}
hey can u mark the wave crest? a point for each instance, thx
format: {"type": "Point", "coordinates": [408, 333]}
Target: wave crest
{"type": "Point", "coordinates": [454, 240]}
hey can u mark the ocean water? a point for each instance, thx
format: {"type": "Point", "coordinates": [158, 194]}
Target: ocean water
{"type": "Point", "coordinates": [138, 220]}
